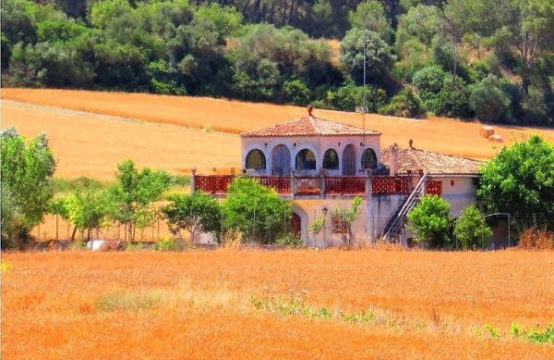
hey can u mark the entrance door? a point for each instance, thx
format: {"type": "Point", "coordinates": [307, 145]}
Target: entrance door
{"type": "Point", "coordinates": [349, 161]}
{"type": "Point", "coordinates": [295, 224]}
{"type": "Point", "coordinates": [281, 161]}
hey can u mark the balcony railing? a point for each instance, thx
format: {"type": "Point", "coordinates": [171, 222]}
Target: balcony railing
{"type": "Point", "coordinates": [319, 185]}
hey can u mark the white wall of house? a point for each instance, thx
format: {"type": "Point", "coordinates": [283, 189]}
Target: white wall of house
{"type": "Point", "coordinates": [459, 191]}
{"type": "Point", "coordinates": [317, 144]}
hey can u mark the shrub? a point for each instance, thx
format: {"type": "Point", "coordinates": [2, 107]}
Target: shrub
{"type": "Point", "coordinates": [343, 219]}
{"type": "Point", "coordinates": [349, 96]}
{"type": "Point", "coordinates": [289, 240]}
{"type": "Point", "coordinates": [405, 103]}
{"type": "Point", "coordinates": [489, 102]}
{"type": "Point", "coordinates": [429, 80]}
{"type": "Point", "coordinates": [194, 213]}
{"type": "Point", "coordinates": [430, 222]}
{"type": "Point", "coordinates": [471, 230]}
{"type": "Point", "coordinates": [540, 239]}
{"type": "Point", "coordinates": [255, 210]}
{"type": "Point", "coordinates": [167, 244]}
{"type": "Point", "coordinates": [478, 70]}
{"type": "Point", "coordinates": [453, 98]}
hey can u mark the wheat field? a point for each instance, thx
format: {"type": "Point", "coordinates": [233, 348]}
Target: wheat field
{"type": "Point", "coordinates": [217, 116]}
{"type": "Point", "coordinates": [290, 304]}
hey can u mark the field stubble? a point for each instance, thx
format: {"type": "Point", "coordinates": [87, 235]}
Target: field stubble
{"type": "Point", "coordinates": [199, 304]}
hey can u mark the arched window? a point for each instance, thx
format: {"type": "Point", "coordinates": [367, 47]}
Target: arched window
{"type": "Point", "coordinates": [255, 160]}
{"type": "Point", "coordinates": [331, 160]}
{"type": "Point", "coordinates": [305, 160]}
{"type": "Point", "coordinates": [369, 159]}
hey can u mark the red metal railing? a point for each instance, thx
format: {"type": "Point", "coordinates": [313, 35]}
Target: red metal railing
{"type": "Point", "coordinates": [433, 187]}
{"type": "Point", "coordinates": [390, 185]}
{"type": "Point", "coordinates": [281, 184]}
{"type": "Point", "coordinates": [311, 185]}
{"type": "Point", "coordinates": [344, 185]}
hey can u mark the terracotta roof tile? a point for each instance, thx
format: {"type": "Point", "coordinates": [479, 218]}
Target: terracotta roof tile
{"type": "Point", "coordinates": [308, 126]}
{"type": "Point", "coordinates": [431, 162]}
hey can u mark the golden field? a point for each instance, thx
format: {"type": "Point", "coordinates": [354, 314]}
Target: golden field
{"type": "Point", "coordinates": [230, 304]}
{"type": "Point", "coordinates": [166, 131]}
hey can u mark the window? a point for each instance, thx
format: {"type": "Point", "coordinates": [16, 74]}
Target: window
{"type": "Point", "coordinates": [255, 160]}
{"type": "Point", "coordinates": [305, 160]}
{"type": "Point", "coordinates": [369, 159]}
{"type": "Point", "coordinates": [331, 160]}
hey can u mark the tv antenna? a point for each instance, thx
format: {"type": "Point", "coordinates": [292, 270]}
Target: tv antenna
{"type": "Point", "coordinates": [363, 107]}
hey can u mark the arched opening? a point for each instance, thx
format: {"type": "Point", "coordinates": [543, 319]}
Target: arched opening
{"type": "Point", "coordinates": [305, 160]}
{"type": "Point", "coordinates": [255, 160]}
{"type": "Point", "coordinates": [331, 160]}
{"type": "Point", "coordinates": [369, 159]}
{"type": "Point", "coordinates": [349, 161]}
{"type": "Point", "coordinates": [281, 160]}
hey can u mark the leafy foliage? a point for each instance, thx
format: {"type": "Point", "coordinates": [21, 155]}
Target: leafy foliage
{"type": "Point", "coordinates": [133, 193]}
{"type": "Point", "coordinates": [194, 213]}
{"type": "Point", "coordinates": [520, 181]}
{"type": "Point", "coordinates": [257, 211]}
{"type": "Point", "coordinates": [344, 218]}
{"type": "Point", "coordinates": [27, 170]}
{"type": "Point", "coordinates": [430, 222]}
{"type": "Point", "coordinates": [471, 230]}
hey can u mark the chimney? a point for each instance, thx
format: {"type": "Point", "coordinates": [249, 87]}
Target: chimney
{"type": "Point", "coordinates": [310, 110]}
{"type": "Point", "coordinates": [411, 142]}
{"type": "Point", "coordinates": [393, 159]}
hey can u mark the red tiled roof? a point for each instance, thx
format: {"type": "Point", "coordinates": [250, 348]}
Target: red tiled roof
{"type": "Point", "coordinates": [309, 126]}
{"type": "Point", "coordinates": [431, 162]}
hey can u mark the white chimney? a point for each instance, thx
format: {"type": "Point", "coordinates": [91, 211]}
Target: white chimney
{"type": "Point", "coordinates": [393, 159]}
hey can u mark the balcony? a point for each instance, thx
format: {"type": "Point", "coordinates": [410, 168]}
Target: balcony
{"type": "Point", "coordinates": [314, 186]}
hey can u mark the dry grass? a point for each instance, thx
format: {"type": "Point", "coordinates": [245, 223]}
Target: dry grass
{"type": "Point", "coordinates": [91, 145]}
{"type": "Point", "coordinates": [437, 134]}
{"type": "Point", "coordinates": [145, 305]}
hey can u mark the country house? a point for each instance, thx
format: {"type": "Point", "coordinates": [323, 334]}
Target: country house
{"type": "Point", "coordinates": [319, 165]}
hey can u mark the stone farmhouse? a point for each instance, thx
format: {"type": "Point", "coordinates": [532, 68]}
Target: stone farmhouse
{"type": "Point", "coordinates": [319, 165]}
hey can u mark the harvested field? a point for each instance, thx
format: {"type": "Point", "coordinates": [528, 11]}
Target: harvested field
{"type": "Point", "coordinates": [436, 134]}
{"type": "Point", "coordinates": [269, 304]}
{"type": "Point", "coordinates": [86, 144]}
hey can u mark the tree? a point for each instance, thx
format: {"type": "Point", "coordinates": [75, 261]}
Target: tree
{"type": "Point", "coordinates": [520, 181]}
{"type": "Point", "coordinates": [370, 15]}
{"type": "Point", "coordinates": [133, 193]}
{"type": "Point", "coordinates": [194, 213]}
{"type": "Point", "coordinates": [429, 221]}
{"type": "Point", "coordinates": [87, 210]}
{"type": "Point", "coordinates": [255, 210]}
{"type": "Point", "coordinates": [405, 104]}
{"type": "Point", "coordinates": [471, 230]}
{"type": "Point", "coordinates": [344, 218]}
{"type": "Point", "coordinates": [489, 102]}
{"type": "Point", "coordinates": [378, 59]}
{"type": "Point", "coordinates": [27, 170]}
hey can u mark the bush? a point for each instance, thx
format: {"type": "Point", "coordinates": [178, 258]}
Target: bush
{"type": "Point", "coordinates": [289, 240]}
{"type": "Point", "coordinates": [167, 244]}
{"type": "Point", "coordinates": [405, 104]}
{"type": "Point", "coordinates": [452, 100]}
{"type": "Point", "coordinates": [255, 210]}
{"type": "Point", "coordinates": [489, 102]}
{"type": "Point", "coordinates": [471, 230]}
{"type": "Point", "coordinates": [429, 80]}
{"type": "Point", "coordinates": [349, 96]}
{"type": "Point", "coordinates": [430, 222]}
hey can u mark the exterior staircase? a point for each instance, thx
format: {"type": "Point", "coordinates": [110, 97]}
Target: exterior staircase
{"type": "Point", "coordinates": [394, 227]}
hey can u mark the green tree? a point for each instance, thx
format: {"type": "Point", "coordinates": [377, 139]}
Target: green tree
{"type": "Point", "coordinates": [194, 213]}
{"type": "Point", "coordinates": [27, 170]}
{"type": "Point", "coordinates": [489, 102]}
{"type": "Point", "coordinates": [378, 60]}
{"type": "Point", "coordinates": [471, 229]}
{"type": "Point", "coordinates": [370, 15]}
{"type": "Point", "coordinates": [429, 221]}
{"type": "Point", "coordinates": [256, 211]}
{"type": "Point", "coordinates": [405, 104]}
{"type": "Point", "coordinates": [344, 218]}
{"type": "Point", "coordinates": [87, 210]}
{"type": "Point", "coordinates": [520, 181]}
{"type": "Point", "coordinates": [133, 193]}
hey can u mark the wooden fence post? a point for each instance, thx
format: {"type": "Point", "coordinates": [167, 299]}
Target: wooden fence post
{"type": "Point", "coordinates": [193, 180]}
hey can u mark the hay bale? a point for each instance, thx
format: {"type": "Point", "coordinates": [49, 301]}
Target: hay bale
{"type": "Point", "coordinates": [487, 131]}
{"type": "Point", "coordinates": [496, 138]}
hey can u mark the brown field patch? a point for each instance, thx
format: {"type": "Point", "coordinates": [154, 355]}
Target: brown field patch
{"type": "Point", "coordinates": [436, 134]}
{"type": "Point", "coordinates": [145, 305]}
